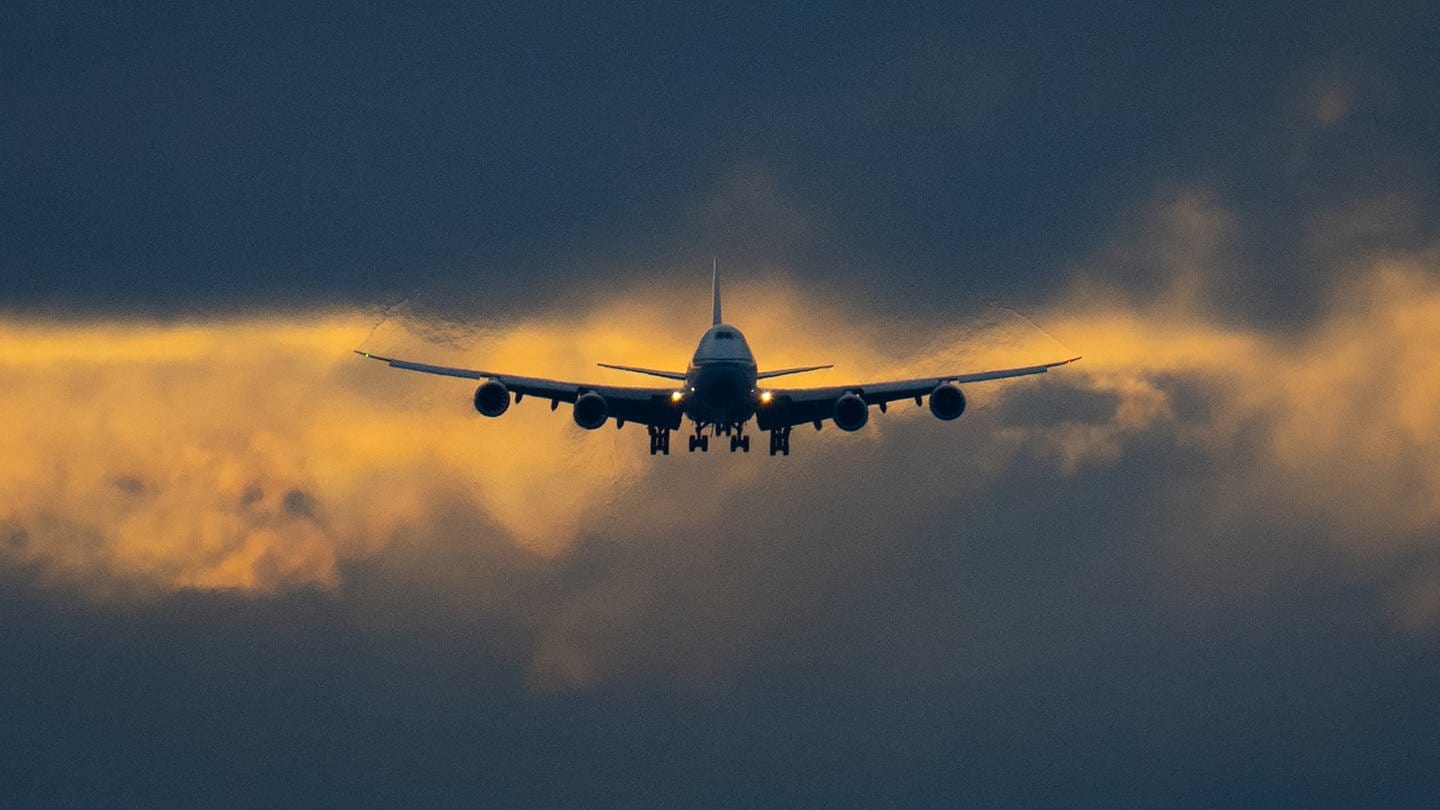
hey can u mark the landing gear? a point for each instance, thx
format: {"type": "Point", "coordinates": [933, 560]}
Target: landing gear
{"type": "Point", "coordinates": [659, 440]}
{"type": "Point", "coordinates": [700, 440]}
{"type": "Point", "coordinates": [702, 443]}
{"type": "Point", "coordinates": [780, 441]}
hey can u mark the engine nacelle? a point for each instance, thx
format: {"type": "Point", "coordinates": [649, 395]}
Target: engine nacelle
{"type": "Point", "coordinates": [492, 398]}
{"type": "Point", "coordinates": [851, 412]}
{"type": "Point", "coordinates": [947, 401]}
{"type": "Point", "coordinates": [591, 410]}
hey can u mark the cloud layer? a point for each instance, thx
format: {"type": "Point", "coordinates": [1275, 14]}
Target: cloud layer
{"type": "Point", "coordinates": [257, 455]}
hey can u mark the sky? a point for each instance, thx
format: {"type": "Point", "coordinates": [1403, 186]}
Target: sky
{"type": "Point", "coordinates": [241, 566]}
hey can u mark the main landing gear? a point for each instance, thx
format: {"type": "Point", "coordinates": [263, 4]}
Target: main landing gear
{"type": "Point", "coordinates": [700, 440]}
{"type": "Point", "coordinates": [780, 441]}
{"type": "Point", "coordinates": [660, 440]}
{"type": "Point", "coordinates": [739, 442]}
{"type": "Point", "coordinates": [736, 432]}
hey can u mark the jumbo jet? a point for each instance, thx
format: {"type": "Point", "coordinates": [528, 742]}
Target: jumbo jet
{"type": "Point", "coordinates": [720, 392]}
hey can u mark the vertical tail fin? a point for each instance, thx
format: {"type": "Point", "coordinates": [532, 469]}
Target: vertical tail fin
{"type": "Point", "coordinates": [715, 289]}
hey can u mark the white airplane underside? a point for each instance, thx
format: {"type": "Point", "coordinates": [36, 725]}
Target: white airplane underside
{"type": "Point", "coordinates": [719, 393]}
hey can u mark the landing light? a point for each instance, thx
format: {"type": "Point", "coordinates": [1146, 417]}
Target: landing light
{"type": "Point", "coordinates": [766, 397]}
{"type": "Point", "coordinates": [676, 396]}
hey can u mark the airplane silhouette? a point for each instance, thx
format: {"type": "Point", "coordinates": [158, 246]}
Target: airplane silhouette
{"type": "Point", "coordinates": [719, 392]}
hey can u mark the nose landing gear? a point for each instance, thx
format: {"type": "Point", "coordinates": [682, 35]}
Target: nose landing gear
{"type": "Point", "coordinates": [739, 442]}
{"type": "Point", "coordinates": [699, 441]}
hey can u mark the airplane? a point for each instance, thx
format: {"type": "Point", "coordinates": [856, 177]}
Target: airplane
{"type": "Point", "coordinates": [720, 392]}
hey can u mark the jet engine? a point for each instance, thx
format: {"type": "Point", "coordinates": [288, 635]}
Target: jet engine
{"type": "Point", "coordinates": [590, 410]}
{"type": "Point", "coordinates": [947, 401]}
{"type": "Point", "coordinates": [851, 412]}
{"type": "Point", "coordinates": [492, 398]}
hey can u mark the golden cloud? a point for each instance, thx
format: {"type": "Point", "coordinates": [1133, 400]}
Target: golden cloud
{"type": "Point", "coordinates": [256, 453]}
{"type": "Point", "coordinates": [1346, 409]}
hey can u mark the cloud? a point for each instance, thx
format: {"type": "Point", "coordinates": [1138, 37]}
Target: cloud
{"type": "Point", "coordinates": [255, 454]}
{"type": "Point", "coordinates": [258, 453]}
{"type": "Point", "coordinates": [1297, 413]}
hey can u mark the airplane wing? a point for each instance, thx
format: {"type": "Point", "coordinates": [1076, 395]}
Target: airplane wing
{"type": "Point", "coordinates": [796, 406]}
{"type": "Point", "coordinates": [646, 406]}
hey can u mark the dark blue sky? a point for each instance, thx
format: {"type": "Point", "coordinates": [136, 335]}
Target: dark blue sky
{"type": "Point", "coordinates": [1132, 633]}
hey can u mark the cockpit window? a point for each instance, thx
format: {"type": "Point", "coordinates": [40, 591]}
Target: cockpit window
{"type": "Point", "coordinates": [724, 335]}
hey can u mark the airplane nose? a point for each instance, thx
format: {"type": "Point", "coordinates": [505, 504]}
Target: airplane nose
{"type": "Point", "coordinates": [722, 385]}
{"type": "Point", "coordinates": [726, 386]}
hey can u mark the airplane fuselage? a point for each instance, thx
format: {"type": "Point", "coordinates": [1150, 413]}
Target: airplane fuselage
{"type": "Point", "coordinates": [720, 383]}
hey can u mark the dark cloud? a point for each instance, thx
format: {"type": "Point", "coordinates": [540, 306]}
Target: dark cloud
{"type": "Point", "coordinates": [297, 503]}
{"type": "Point", "coordinates": [1022, 644]}
{"type": "Point", "coordinates": [278, 157]}
{"type": "Point", "coordinates": [1060, 403]}
{"type": "Point", "coordinates": [129, 484]}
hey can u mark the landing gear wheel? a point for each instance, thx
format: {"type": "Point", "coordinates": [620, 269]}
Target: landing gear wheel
{"type": "Point", "coordinates": [780, 441]}
{"type": "Point", "coordinates": [701, 443]}
{"type": "Point", "coordinates": [659, 440]}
